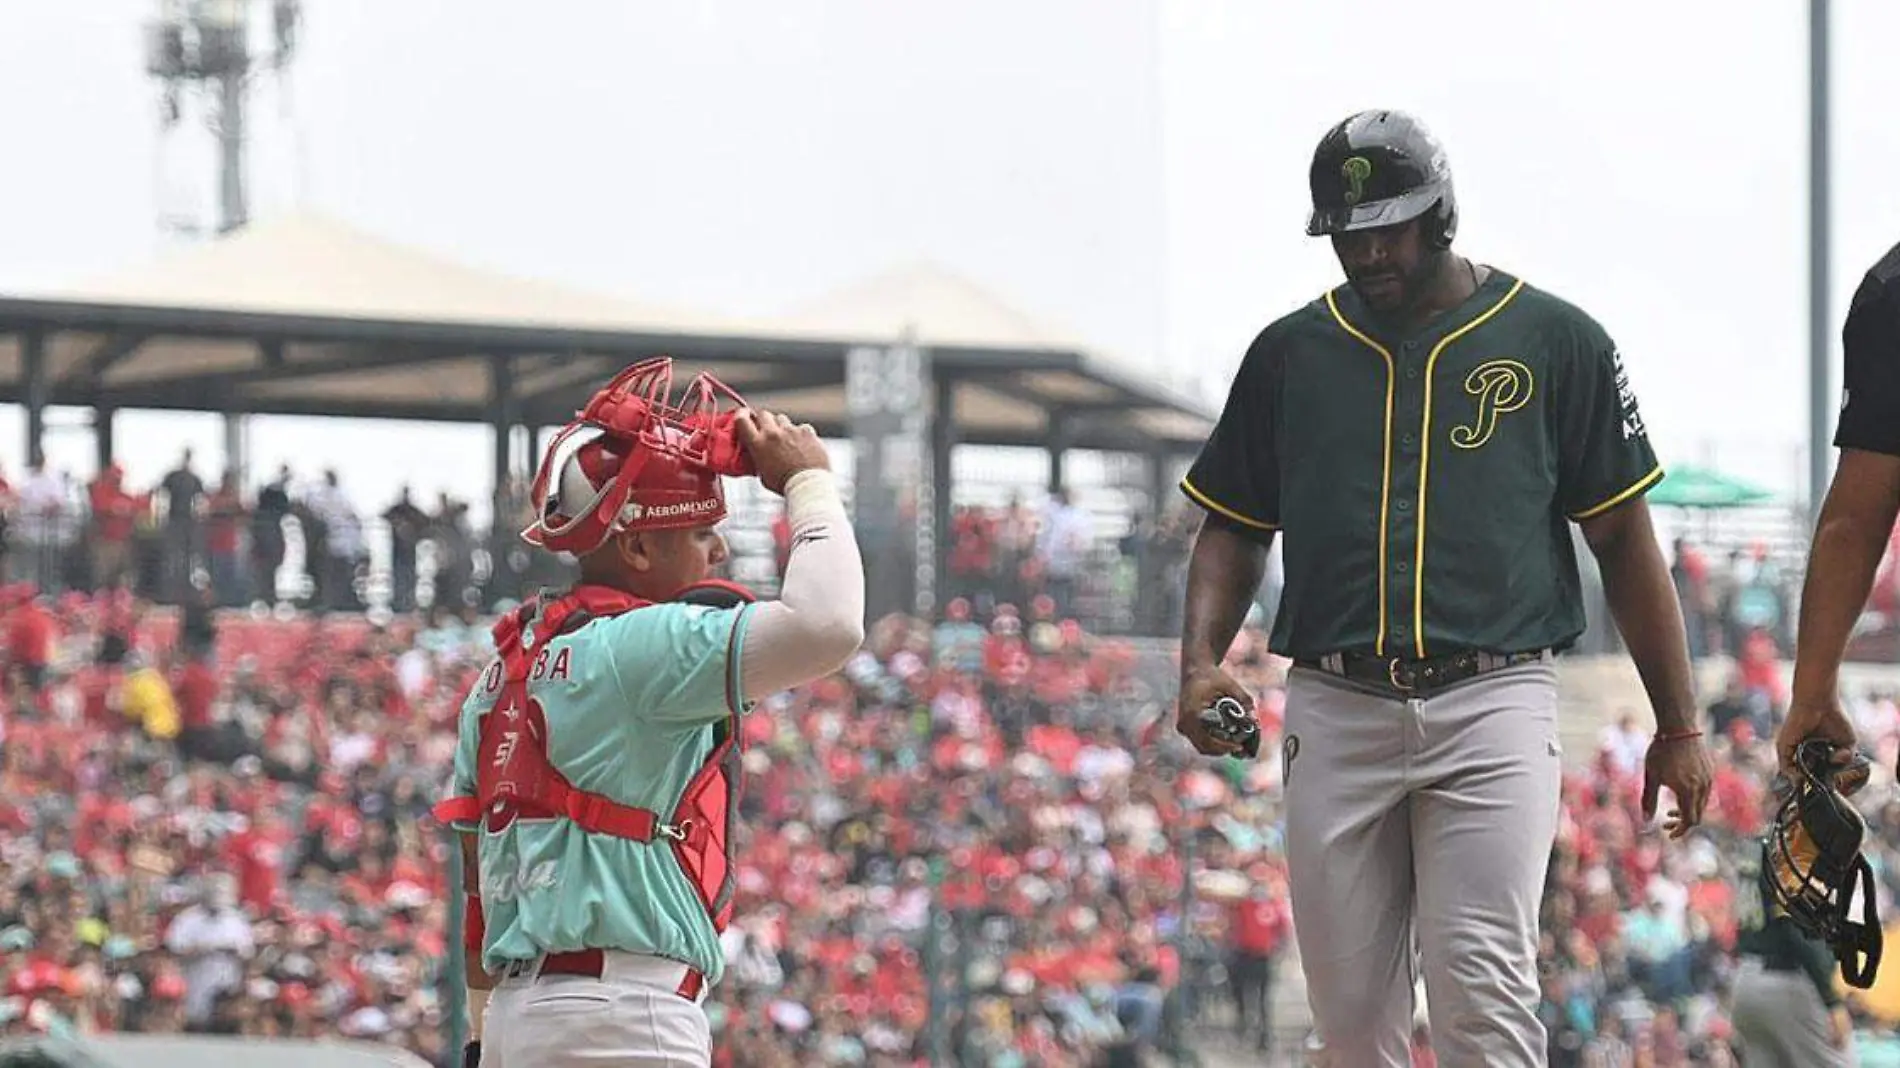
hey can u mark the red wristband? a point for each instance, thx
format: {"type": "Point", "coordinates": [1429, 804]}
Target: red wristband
{"type": "Point", "coordinates": [1682, 735]}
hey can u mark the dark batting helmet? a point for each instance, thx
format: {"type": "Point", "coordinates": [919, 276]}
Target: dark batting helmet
{"type": "Point", "coordinates": [1381, 168]}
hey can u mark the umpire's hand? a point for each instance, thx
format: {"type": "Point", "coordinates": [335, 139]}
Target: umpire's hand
{"type": "Point", "coordinates": [1200, 688]}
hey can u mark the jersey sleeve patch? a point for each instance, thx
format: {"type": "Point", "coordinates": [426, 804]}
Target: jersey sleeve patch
{"type": "Point", "coordinates": [1604, 453]}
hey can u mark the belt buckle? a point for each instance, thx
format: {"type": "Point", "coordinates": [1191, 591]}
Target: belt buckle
{"type": "Point", "coordinates": [1392, 666]}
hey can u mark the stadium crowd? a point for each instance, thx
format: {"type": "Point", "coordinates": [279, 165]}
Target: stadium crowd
{"type": "Point", "coordinates": [215, 820]}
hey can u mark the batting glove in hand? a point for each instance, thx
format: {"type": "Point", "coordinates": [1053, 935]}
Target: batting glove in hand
{"type": "Point", "coordinates": [1230, 722]}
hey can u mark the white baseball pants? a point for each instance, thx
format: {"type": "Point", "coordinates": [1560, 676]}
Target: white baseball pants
{"type": "Point", "coordinates": [631, 1016]}
{"type": "Point", "coordinates": [1418, 832]}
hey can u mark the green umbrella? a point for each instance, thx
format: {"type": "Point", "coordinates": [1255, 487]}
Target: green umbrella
{"type": "Point", "coordinates": [1701, 487]}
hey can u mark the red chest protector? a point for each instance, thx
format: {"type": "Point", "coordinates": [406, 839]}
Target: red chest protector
{"type": "Point", "coordinates": [516, 780]}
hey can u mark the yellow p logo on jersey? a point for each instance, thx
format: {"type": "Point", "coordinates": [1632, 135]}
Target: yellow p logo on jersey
{"type": "Point", "coordinates": [1500, 386]}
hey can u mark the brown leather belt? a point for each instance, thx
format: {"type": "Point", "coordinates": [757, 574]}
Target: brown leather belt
{"type": "Point", "coordinates": [1406, 677]}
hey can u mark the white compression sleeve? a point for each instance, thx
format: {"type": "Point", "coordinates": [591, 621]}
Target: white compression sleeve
{"type": "Point", "coordinates": [818, 621]}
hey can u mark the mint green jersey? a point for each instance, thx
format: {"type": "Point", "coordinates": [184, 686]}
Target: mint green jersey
{"type": "Point", "coordinates": [630, 702]}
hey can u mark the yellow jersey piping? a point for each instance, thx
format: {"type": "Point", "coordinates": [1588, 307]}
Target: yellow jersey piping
{"type": "Point", "coordinates": [1213, 505]}
{"type": "Point", "coordinates": [1385, 480]}
{"type": "Point", "coordinates": [1425, 463]}
{"type": "Point", "coordinates": [1641, 484]}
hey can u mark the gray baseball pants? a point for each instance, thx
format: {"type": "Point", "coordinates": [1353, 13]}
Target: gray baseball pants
{"type": "Point", "coordinates": [1780, 1021]}
{"type": "Point", "coordinates": [1419, 832]}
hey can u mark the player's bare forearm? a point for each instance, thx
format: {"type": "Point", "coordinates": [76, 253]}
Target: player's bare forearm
{"type": "Point", "coordinates": [1223, 574]}
{"type": "Point", "coordinates": [1856, 520]}
{"type": "Point", "coordinates": [1643, 602]}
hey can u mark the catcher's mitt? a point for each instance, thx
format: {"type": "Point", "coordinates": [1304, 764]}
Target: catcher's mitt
{"type": "Point", "coordinates": [1812, 859]}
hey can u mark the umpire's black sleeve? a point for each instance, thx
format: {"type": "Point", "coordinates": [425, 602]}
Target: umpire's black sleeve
{"type": "Point", "coordinates": [1870, 374]}
{"type": "Point", "coordinates": [1236, 477]}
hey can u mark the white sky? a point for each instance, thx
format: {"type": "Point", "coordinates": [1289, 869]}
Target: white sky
{"type": "Point", "coordinates": [1133, 171]}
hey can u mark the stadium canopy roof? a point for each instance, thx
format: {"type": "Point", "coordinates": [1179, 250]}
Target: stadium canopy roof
{"type": "Point", "coordinates": [306, 316]}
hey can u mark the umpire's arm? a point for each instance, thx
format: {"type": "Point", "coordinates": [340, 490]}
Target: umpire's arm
{"type": "Point", "coordinates": [1857, 518]}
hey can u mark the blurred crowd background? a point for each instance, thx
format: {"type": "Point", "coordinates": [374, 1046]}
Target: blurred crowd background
{"type": "Point", "coordinates": [980, 843]}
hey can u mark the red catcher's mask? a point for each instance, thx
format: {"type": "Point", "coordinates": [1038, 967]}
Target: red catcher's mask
{"type": "Point", "coordinates": [633, 461]}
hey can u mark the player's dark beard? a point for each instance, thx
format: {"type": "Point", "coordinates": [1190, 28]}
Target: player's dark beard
{"type": "Point", "coordinates": [1421, 291]}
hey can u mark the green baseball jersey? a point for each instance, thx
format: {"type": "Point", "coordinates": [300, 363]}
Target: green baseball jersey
{"type": "Point", "coordinates": [1422, 486]}
{"type": "Point", "coordinates": [630, 703]}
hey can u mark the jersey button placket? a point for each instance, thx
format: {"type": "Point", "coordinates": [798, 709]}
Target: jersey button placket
{"type": "Point", "coordinates": [1401, 535]}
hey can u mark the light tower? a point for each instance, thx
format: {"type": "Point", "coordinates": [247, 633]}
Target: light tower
{"type": "Point", "coordinates": [200, 51]}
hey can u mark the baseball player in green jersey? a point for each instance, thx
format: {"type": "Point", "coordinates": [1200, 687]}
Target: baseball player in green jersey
{"type": "Point", "coordinates": [1420, 439]}
{"type": "Point", "coordinates": [1856, 524]}
{"type": "Point", "coordinates": [1786, 1008]}
{"type": "Point", "coordinates": [597, 773]}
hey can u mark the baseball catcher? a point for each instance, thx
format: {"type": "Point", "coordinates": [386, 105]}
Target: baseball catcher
{"type": "Point", "coordinates": [598, 769]}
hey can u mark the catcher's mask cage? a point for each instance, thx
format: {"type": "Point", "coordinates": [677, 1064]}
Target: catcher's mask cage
{"type": "Point", "coordinates": [1812, 859]}
{"type": "Point", "coordinates": [634, 460]}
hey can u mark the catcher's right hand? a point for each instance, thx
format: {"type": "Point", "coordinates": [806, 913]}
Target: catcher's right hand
{"type": "Point", "coordinates": [779, 447]}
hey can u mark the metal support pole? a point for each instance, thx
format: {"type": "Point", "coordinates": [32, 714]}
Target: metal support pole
{"type": "Point", "coordinates": [1184, 931]}
{"type": "Point", "coordinates": [232, 211]}
{"type": "Point", "coordinates": [454, 970]}
{"type": "Point", "coordinates": [1058, 448]}
{"type": "Point", "coordinates": [235, 462]}
{"type": "Point", "coordinates": [503, 408]}
{"type": "Point", "coordinates": [1151, 592]}
{"type": "Point", "coordinates": [33, 356]}
{"type": "Point", "coordinates": [1820, 391]}
{"type": "Point", "coordinates": [943, 444]}
{"type": "Point", "coordinates": [102, 419]}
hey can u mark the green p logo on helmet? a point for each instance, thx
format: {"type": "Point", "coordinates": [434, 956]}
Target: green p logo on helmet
{"type": "Point", "coordinates": [1355, 170]}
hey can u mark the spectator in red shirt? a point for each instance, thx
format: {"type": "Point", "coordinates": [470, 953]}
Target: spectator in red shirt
{"type": "Point", "coordinates": [195, 688]}
{"type": "Point", "coordinates": [114, 516]}
{"type": "Point", "coordinates": [1261, 923]}
{"type": "Point", "coordinates": [29, 635]}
